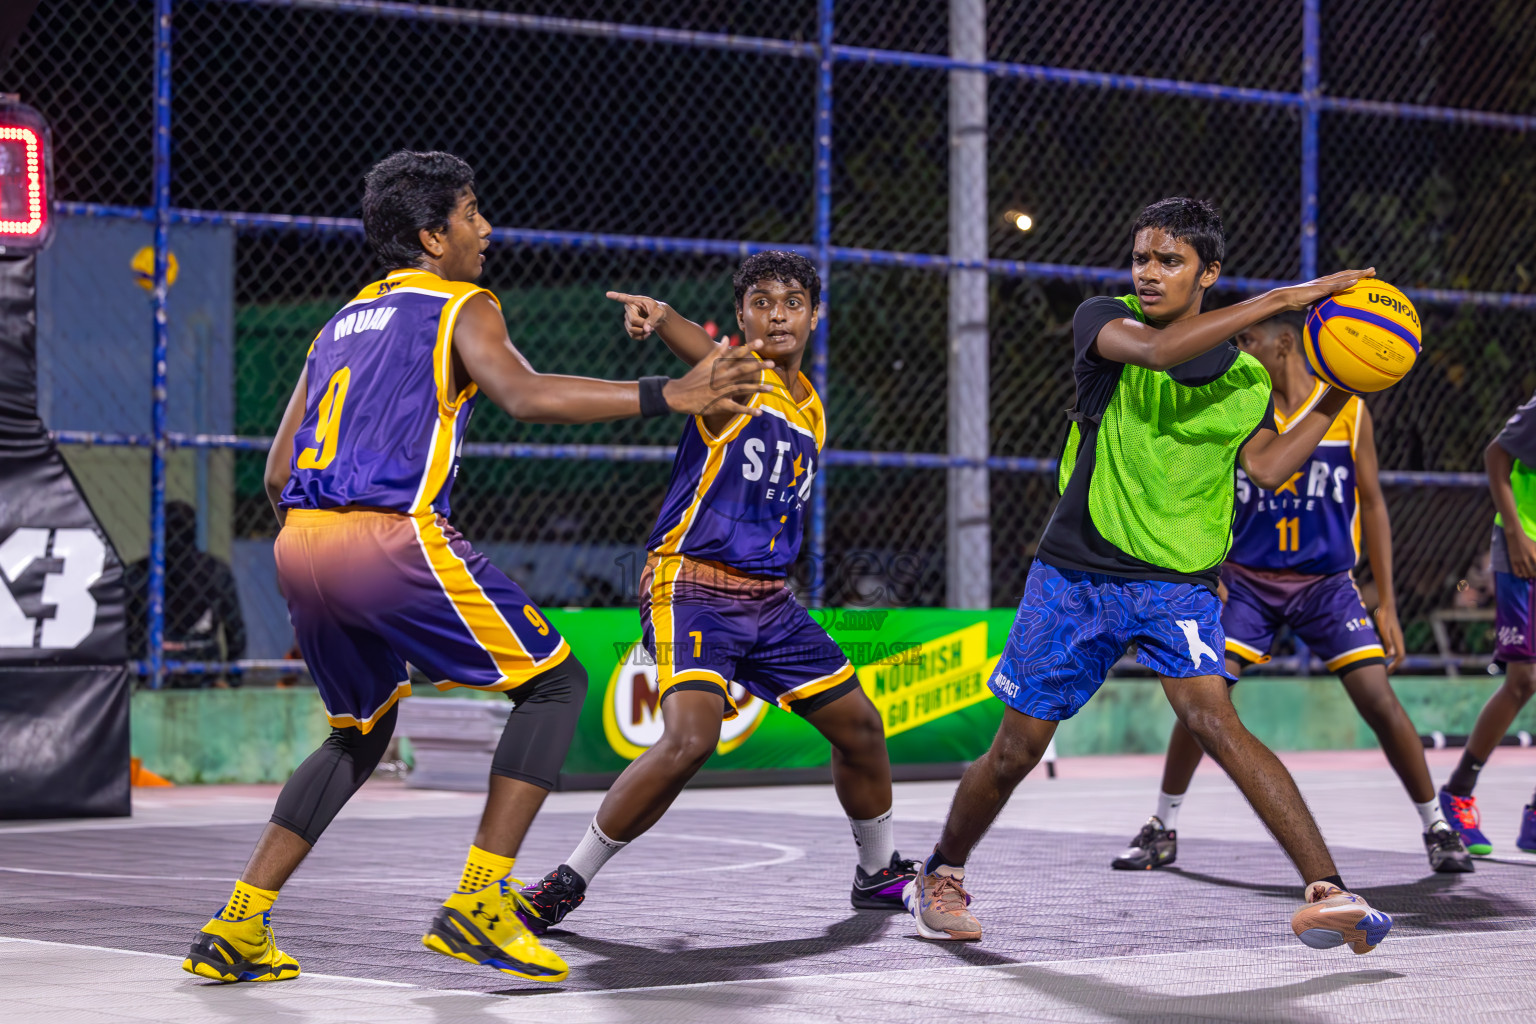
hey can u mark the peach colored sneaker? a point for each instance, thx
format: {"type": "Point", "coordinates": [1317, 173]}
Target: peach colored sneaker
{"type": "Point", "coordinates": [1331, 917]}
{"type": "Point", "coordinates": [940, 905]}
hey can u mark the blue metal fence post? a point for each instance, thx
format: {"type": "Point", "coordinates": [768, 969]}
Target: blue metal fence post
{"type": "Point", "coordinates": [156, 625]}
{"type": "Point", "coordinates": [823, 239]}
{"type": "Point", "coordinates": [1311, 78]}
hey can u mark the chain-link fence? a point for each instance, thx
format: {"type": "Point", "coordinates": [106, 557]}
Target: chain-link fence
{"type": "Point", "coordinates": [647, 145]}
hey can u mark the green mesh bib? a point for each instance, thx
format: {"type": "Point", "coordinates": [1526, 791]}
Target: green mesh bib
{"type": "Point", "coordinates": [1165, 459]}
{"type": "Point", "coordinates": [1522, 480]}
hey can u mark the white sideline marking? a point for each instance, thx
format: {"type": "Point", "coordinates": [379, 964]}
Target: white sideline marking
{"type": "Point", "coordinates": [786, 979]}
{"type": "Point", "coordinates": [786, 854]}
{"type": "Point", "coordinates": [178, 959]}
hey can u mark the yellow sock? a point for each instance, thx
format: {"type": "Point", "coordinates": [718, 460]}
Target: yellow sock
{"type": "Point", "coordinates": [247, 901]}
{"type": "Point", "coordinates": [482, 868]}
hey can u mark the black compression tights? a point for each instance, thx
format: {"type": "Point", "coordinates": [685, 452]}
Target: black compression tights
{"type": "Point", "coordinates": [532, 748]}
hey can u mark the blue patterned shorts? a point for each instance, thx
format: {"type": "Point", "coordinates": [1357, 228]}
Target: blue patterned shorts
{"type": "Point", "coordinates": [1072, 627]}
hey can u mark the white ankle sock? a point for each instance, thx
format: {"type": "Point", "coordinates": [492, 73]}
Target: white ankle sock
{"type": "Point", "coordinates": [1168, 809]}
{"type": "Point", "coordinates": [1429, 813]}
{"type": "Point", "coordinates": [592, 852]}
{"type": "Point", "coordinates": [876, 840]}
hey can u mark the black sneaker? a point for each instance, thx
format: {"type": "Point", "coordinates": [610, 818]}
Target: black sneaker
{"type": "Point", "coordinates": [1153, 847]}
{"type": "Point", "coordinates": [1447, 854]}
{"type": "Point", "coordinates": [882, 889]}
{"type": "Point", "coordinates": [546, 902]}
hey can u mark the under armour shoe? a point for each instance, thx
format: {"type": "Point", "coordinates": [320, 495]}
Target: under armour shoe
{"type": "Point", "coordinates": [1461, 814]}
{"type": "Point", "coordinates": [940, 906]}
{"type": "Point", "coordinates": [547, 902]}
{"type": "Point", "coordinates": [882, 889]}
{"type": "Point", "coordinates": [1527, 838]}
{"type": "Point", "coordinates": [1153, 847]}
{"type": "Point", "coordinates": [485, 928]}
{"type": "Point", "coordinates": [1447, 854]}
{"type": "Point", "coordinates": [1331, 917]}
{"type": "Point", "coordinates": [239, 951]}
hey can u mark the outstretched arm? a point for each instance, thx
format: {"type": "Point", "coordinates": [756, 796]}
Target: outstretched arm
{"type": "Point", "coordinates": [484, 354]}
{"type": "Point", "coordinates": [1522, 552]}
{"type": "Point", "coordinates": [1269, 458]}
{"type": "Point", "coordinates": [1377, 528]}
{"type": "Point", "coordinates": [644, 316]}
{"type": "Point", "coordinates": [280, 455]}
{"type": "Point", "coordinates": [1159, 348]}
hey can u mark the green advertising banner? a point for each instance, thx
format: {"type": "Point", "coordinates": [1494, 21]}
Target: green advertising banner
{"type": "Point", "coordinates": [925, 669]}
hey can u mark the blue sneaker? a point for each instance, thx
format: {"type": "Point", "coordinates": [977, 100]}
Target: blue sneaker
{"type": "Point", "coordinates": [1527, 840]}
{"type": "Point", "coordinates": [1461, 814]}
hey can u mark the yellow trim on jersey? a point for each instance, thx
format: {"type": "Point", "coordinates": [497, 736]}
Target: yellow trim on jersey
{"type": "Point", "coordinates": [479, 613]}
{"type": "Point", "coordinates": [444, 441]}
{"type": "Point", "coordinates": [816, 686]}
{"type": "Point", "coordinates": [1344, 428]}
{"type": "Point", "coordinates": [777, 402]}
{"type": "Point", "coordinates": [663, 577]}
{"type": "Point", "coordinates": [1357, 654]}
{"type": "Point", "coordinates": [712, 465]}
{"type": "Point", "coordinates": [1249, 654]}
{"type": "Point", "coordinates": [366, 725]}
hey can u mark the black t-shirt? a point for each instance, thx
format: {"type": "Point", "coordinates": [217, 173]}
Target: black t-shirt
{"type": "Point", "coordinates": [1071, 541]}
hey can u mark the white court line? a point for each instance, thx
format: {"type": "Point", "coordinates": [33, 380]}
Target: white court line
{"type": "Point", "coordinates": [960, 968]}
{"type": "Point", "coordinates": [178, 959]}
{"type": "Point", "coordinates": [786, 855]}
{"type": "Point", "coordinates": [871, 974]}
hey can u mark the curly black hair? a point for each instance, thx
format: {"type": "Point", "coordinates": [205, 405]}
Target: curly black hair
{"type": "Point", "coordinates": [777, 265]}
{"type": "Point", "coordinates": [407, 193]}
{"type": "Point", "coordinates": [1196, 222]}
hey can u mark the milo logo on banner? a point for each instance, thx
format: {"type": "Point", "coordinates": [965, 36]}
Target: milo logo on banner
{"type": "Point", "coordinates": [933, 679]}
{"type": "Point", "coordinates": [632, 708]}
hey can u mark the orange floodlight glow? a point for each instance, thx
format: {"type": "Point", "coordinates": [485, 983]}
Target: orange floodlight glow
{"type": "Point", "coordinates": [24, 165]}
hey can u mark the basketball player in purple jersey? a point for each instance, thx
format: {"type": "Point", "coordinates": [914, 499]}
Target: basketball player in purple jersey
{"type": "Point", "coordinates": [360, 474]}
{"type": "Point", "coordinates": [1293, 551]}
{"type": "Point", "coordinates": [714, 607]}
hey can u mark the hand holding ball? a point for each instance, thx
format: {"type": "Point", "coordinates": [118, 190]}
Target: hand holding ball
{"type": "Point", "coordinates": [1364, 338]}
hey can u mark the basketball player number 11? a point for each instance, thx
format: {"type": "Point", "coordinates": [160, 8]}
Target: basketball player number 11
{"type": "Point", "coordinates": [327, 422]}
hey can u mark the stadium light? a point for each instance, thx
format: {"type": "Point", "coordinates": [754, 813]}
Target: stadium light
{"type": "Point", "coordinates": [26, 156]}
{"type": "Point", "coordinates": [1020, 220]}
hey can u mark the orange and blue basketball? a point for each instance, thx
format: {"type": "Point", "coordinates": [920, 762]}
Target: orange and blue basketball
{"type": "Point", "coordinates": [1363, 339]}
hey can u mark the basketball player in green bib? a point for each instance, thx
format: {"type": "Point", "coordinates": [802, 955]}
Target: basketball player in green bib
{"type": "Point", "coordinates": [1166, 409]}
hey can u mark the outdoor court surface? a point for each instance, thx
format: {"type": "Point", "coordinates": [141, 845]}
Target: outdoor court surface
{"type": "Point", "coordinates": [736, 909]}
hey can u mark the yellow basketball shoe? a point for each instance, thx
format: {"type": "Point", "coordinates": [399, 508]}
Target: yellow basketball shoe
{"type": "Point", "coordinates": [483, 928]}
{"type": "Point", "coordinates": [243, 950]}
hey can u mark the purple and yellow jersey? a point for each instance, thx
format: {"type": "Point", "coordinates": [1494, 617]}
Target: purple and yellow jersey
{"type": "Point", "coordinates": [382, 426]}
{"type": "Point", "coordinates": [1311, 523]}
{"type": "Point", "coordinates": [740, 498]}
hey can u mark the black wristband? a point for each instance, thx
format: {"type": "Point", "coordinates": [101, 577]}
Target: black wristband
{"type": "Point", "coordinates": [653, 401]}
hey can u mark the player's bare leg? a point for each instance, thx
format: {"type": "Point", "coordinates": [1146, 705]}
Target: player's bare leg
{"type": "Point", "coordinates": [937, 898]}
{"type": "Point", "coordinates": [510, 807]}
{"type": "Point", "coordinates": [636, 801]}
{"type": "Point", "coordinates": [989, 781]}
{"type": "Point", "coordinates": [1500, 711]}
{"type": "Point", "coordinates": [1498, 714]}
{"type": "Point", "coordinates": [1330, 916]}
{"type": "Point", "coordinates": [642, 794]}
{"type": "Point", "coordinates": [1205, 708]}
{"type": "Point", "coordinates": [278, 853]}
{"type": "Point", "coordinates": [1372, 694]}
{"type": "Point", "coordinates": [861, 766]}
{"type": "Point", "coordinates": [861, 776]}
{"type": "Point", "coordinates": [1384, 713]}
